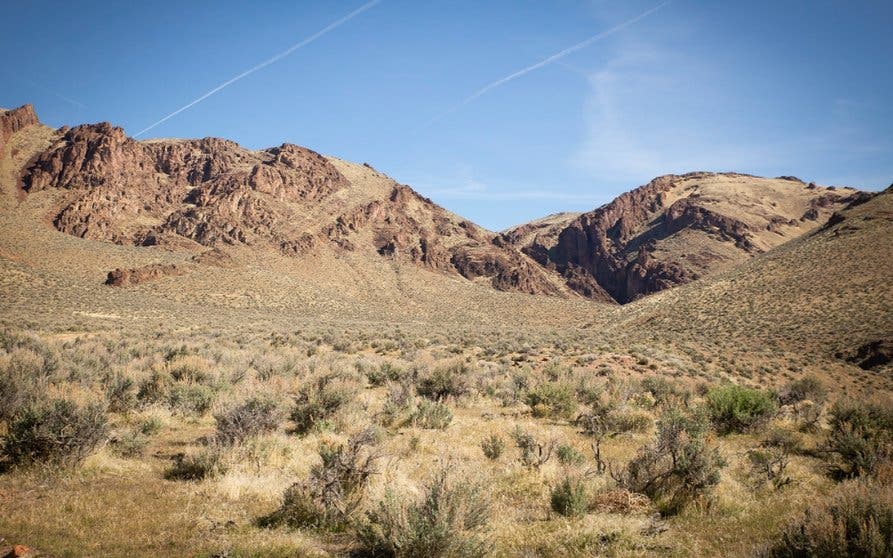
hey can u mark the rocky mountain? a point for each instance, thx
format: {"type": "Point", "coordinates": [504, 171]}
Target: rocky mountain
{"type": "Point", "coordinates": [206, 197]}
{"type": "Point", "coordinates": [192, 195]}
{"type": "Point", "coordinates": [674, 230]}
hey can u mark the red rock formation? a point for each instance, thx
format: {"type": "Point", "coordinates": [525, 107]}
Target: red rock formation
{"type": "Point", "coordinates": [127, 277]}
{"type": "Point", "coordinates": [613, 248]}
{"type": "Point", "coordinates": [11, 121]}
{"type": "Point", "coordinates": [215, 193]}
{"type": "Point", "coordinates": [210, 191]}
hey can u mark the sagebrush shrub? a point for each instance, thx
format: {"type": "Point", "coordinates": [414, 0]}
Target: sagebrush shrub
{"type": "Point", "coordinates": [569, 498]}
{"type": "Point", "coordinates": [678, 466]}
{"type": "Point", "coordinates": [384, 373]}
{"type": "Point", "coordinates": [55, 431]}
{"type": "Point", "coordinates": [431, 414]}
{"type": "Point", "coordinates": [552, 400]}
{"type": "Point", "coordinates": [861, 435]}
{"type": "Point", "coordinates": [444, 381]}
{"type": "Point", "coordinates": [320, 400]}
{"type": "Point", "coordinates": [335, 488]}
{"type": "Point", "coordinates": [856, 521]}
{"type": "Point", "coordinates": [735, 408]}
{"type": "Point", "coordinates": [255, 416]}
{"type": "Point", "coordinates": [493, 446]}
{"type": "Point", "coordinates": [447, 521]}
{"type": "Point", "coordinates": [205, 464]}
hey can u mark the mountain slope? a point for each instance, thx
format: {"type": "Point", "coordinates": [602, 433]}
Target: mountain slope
{"type": "Point", "coordinates": [676, 229]}
{"type": "Point", "coordinates": [191, 195]}
{"type": "Point", "coordinates": [825, 295]}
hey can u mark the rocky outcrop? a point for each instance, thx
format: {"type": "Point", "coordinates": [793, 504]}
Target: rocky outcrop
{"type": "Point", "coordinates": [11, 121]}
{"type": "Point", "coordinates": [634, 246]}
{"type": "Point", "coordinates": [128, 277]}
{"type": "Point", "coordinates": [212, 193]}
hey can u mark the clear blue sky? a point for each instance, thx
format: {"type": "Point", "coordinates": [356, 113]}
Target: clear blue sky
{"type": "Point", "coordinates": [768, 87]}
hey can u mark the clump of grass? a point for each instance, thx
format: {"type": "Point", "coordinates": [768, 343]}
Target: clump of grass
{"type": "Point", "coordinates": [57, 431]}
{"type": "Point", "coordinates": [493, 446]}
{"type": "Point", "coordinates": [735, 408]}
{"type": "Point", "coordinates": [447, 521]}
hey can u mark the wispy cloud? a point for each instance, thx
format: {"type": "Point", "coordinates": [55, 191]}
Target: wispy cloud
{"type": "Point", "coordinates": [551, 59]}
{"type": "Point", "coordinates": [265, 63]}
{"type": "Point", "coordinates": [52, 92]}
{"type": "Point", "coordinates": [465, 186]}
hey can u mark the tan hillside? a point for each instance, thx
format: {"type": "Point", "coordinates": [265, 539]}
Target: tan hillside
{"type": "Point", "coordinates": [188, 196]}
{"type": "Point", "coordinates": [676, 229]}
{"type": "Point", "coordinates": [824, 296]}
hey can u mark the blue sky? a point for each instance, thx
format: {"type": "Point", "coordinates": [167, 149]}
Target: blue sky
{"type": "Point", "coordinates": [765, 87]}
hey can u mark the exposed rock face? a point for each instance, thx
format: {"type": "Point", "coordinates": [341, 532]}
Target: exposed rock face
{"type": "Point", "coordinates": [676, 229]}
{"type": "Point", "coordinates": [128, 277]}
{"type": "Point", "coordinates": [210, 191]}
{"type": "Point", "coordinates": [185, 194]}
{"type": "Point", "coordinates": [11, 121]}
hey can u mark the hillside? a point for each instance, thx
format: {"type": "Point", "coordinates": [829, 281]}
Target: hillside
{"type": "Point", "coordinates": [674, 230]}
{"type": "Point", "coordinates": [190, 196]}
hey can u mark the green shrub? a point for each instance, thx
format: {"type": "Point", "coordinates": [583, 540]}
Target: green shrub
{"type": "Point", "coordinates": [384, 373]}
{"type": "Point", "coordinates": [129, 443]}
{"type": "Point", "coordinates": [22, 379]}
{"type": "Point", "coordinates": [569, 455]}
{"type": "Point", "coordinates": [493, 446]}
{"type": "Point", "coordinates": [677, 467]}
{"type": "Point", "coordinates": [431, 414]}
{"type": "Point", "coordinates": [568, 497]}
{"type": "Point", "coordinates": [534, 453]}
{"type": "Point", "coordinates": [551, 399]}
{"type": "Point", "coordinates": [444, 381]}
{"type": "Point", "coordinates": [190, 399]}
{"type": "Point", "coordinates": [54, 432]}
{"type": "Point", "coordinates": [445, 522]}
{"type": "Point", "coordinates": [861, 435]}
{"type": "Point", "coordinates": [856, 521]}
{"type": "Point", "coordinates": [253, 417]}
{"type": "Point", "coordinates": [205, 464]}
{"type": "Point", "coordinates": [735, 408]}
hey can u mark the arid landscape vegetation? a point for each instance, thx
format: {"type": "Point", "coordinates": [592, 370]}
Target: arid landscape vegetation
{"type": "Point", "coordinates": [207, 350]}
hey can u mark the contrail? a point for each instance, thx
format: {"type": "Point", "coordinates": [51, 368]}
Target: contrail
{"type": "Point", "coordinates": [266, 63]}
{"type": "Point", "coordinates": [557, 56]}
